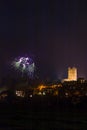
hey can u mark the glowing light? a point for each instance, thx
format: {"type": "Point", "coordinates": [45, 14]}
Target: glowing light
{"type": "Point", "coordinates": [39, 93]}
{"type": "Point", "coordinates": [24, 65]}
{"type": "Point", "coordinates": [41, 87]}
{"type": "Point", "coordinates": [44, 93]}
{"type": "Point", "coordinates": [30, 96]}
{"type": "Point", "coordinates": [20, 93]}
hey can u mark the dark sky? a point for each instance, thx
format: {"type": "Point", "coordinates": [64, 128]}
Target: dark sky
{"type": "Point", "coordinates": [52, 32]}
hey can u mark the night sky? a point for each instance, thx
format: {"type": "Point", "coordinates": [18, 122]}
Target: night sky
{"type": "Point", "coordinates": [53, 33]}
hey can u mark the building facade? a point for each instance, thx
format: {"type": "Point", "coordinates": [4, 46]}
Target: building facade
{"type": "Point", "coordinates": [72, 74]}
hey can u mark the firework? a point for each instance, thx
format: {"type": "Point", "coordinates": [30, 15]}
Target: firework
{"type": "Point", "coordinates": [25, 65]}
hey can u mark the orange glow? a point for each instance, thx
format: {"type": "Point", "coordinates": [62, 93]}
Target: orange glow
{"type": "Point", "coordinates": [41, 87]}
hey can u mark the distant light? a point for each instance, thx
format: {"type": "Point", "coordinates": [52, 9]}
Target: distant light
{"type": "Point", "coordinates": [41, 87]}
{"type": "Point", "coordinates": [20, 93]}
{"type": "Point", "coordinates": [30, 96]}
{"type": "Point", "coordinates": [39, 93]}
{"type": "Point", "coordinates": [44, 93]}
{"type": "Point", "coordinates": [66, 94]}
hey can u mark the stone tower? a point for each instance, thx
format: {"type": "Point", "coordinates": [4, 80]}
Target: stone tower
{"type": "Point", "coordinates": [72, 74]}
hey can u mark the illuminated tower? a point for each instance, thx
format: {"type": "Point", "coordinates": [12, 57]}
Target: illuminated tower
{"type": "Point", "coordinates": [72, 74]}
